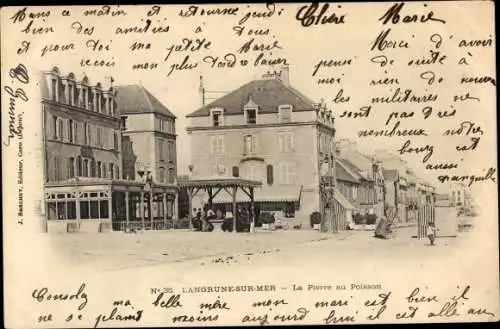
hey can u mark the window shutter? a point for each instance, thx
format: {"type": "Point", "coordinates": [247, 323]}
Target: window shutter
{"type": "Point", "coordinates": [49, 126]}
{"type": "Point", "coordinates": [93, 134]}
{"type": "Point", "coordinates": [62, 168]}
{"type": "Point", "coordinates": [270, 175]}
{"type": "Point", "coordinates": [213, 144]}
{"type": "Point", "coordinates": [255, 143]}
{"type": "Point", "coordinates": [51, 169]}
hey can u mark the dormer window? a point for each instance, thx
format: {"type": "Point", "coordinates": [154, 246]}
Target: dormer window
{"type": "Point", "coordinates": [90, 99]}
{"type": "Point", "coordinates": [251, 111]}
{"type": "Point", "coordinates": [54, 90]}
{"type": "Point", "coordinates": [71, 94]}
{"type": "Point", "coordinates": [217, 117]}
{"type": "Point", "coordinates": [251, 116]}
{"type": "Point", "coordinates": [285, 113]}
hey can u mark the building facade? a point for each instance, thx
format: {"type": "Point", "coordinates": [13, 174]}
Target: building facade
{"type": "Point", "coordinates": [83, 171]}
{"type": "Point", "coordinates": [405, 192]}
{"type": "Point", "coordinates": [149, 137]}
{"type": "Point", "coordinates": [460, 195]}
{"type": "Point", "coordinates": [370, 194]}
{"type": "Point", "coordinates": [149, 149]}
{"type": "Point", "coordinates": [263, 131]}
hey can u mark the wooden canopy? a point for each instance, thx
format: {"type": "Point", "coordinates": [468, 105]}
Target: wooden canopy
{"type": "Point", "coordinates": [213, 186]}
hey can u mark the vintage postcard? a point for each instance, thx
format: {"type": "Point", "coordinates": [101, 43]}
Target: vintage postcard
{"type": "Point", "coordinates": [249, 164]}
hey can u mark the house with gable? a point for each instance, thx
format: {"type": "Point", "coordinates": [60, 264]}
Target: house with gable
{"type": "Point", "coordinates": [370, 193]}
{"type": "Point", "coordinates": [267, 131]}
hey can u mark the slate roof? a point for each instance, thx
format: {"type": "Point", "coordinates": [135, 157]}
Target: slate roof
{"type": "Point", "coordinates": [269, 94]}
{"type": "Point", "coordinates": [137, 99]}
{"type": "Point", "coordinates": [346, 174]}
{"type": "Point", "coordinates": [360, 163]}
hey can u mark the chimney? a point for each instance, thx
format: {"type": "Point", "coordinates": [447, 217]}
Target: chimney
{"type": "Point", "coordinates": [268, 76]}
{"type": "Point", "coordinates": [285, 75]}
{"type": "Point", "coordinates": [201, 90]}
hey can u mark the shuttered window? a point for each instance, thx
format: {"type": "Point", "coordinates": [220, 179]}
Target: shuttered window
{"type": "Point", "coordinates": [236, 171]}
{"type": "Point", "coordinates": [53, 126]}
{"type": "Point", "coordinates": [171, 175]}
{"type": "Point", "coordinates": [250, 144]}
{"type": "Point", "coordinates": [217, 144]}
{"type": "Point", "coordinates": [286, 142]}
{"type": "Point", "coordinates": [161, 175]}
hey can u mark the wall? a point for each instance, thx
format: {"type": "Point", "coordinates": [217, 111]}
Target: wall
{"type": "Point", "coordinates": [303, 157]}
{"type": "Point", "coordinates": [143, 149]}
{"type": "Point", "coordinates": [140, 122]}
{"type": "Point", "coordinates": [64, 149]}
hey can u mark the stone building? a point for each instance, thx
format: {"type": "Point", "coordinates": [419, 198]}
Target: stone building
{"type": "Point", "coordinates": [83, 172]}
{"type": "Point", "coordinates": [266, 131]}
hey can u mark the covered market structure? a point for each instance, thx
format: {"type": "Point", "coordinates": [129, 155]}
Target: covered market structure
{"type": "Point", "coordinates": [213, 186]}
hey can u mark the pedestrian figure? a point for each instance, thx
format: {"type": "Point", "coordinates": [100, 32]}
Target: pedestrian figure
{"type": "Point", "coordinates": [431, 233]}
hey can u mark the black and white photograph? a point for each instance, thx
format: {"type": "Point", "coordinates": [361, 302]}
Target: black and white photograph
{"type": "Point", "coordinates": [249, 164]}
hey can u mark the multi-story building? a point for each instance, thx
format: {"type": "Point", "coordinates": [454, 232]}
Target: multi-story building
{"type": "Point", "coordinates": [149, 142]}
{"type": "Point", "coordinates": [460, 195]}
{"type": "Point", "coordinates": [405, 192]}
{"type": "Point", "coordinates": [148, 132]}
{"type": "Point", "coordinates": [264, 131]}
{"type": "Point", "coordinates": [84, 185]}
{"type": "Point", "coordinates": [370, 196]}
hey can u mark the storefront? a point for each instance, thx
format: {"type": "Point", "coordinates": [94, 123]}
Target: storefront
{"type": "Point", "coordinates": [109, 205]}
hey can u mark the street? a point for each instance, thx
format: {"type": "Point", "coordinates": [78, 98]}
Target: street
{"type": "Point", "coordinates": [117, 251]}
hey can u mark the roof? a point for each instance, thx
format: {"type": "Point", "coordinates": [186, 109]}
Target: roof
{"type": "Point", "coordinates": [268, 94]}
{"type": "Point", "coordinates": [137, 99]}
{"type": "Point", "coordinates": [264, 194]}
{"type": "Point", "coordinates": [359, 162]}
{"type": "Point", "coordinates": [344, 173]}
{"type": "Point", "coordinates": [391, 174]}
{"type": "Point", "coordinates": [219, 181]}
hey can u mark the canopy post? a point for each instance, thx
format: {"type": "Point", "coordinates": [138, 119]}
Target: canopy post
{"type": "Point", "coordinates": [210, 197]}
{"type": "Point", "coordinates": [142, 211]}
{"type": "Point", "coordinates": [252, 210]}
{"type": "Point", "coordinates": [233, 194]}
{"type": "Point", "coordinates": [190, 203]}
